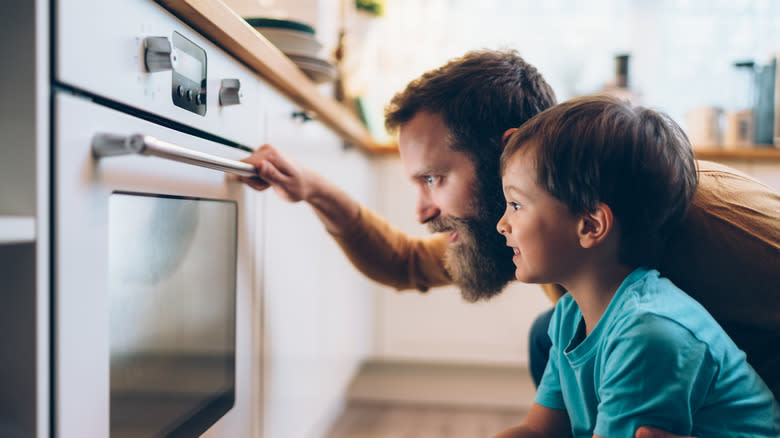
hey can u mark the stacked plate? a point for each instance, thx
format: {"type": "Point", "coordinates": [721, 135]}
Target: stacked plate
{"type": "Point", "coordinates": [297, 41]}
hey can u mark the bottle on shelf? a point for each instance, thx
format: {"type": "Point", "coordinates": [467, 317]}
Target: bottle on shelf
{"type": "Point", "coordinates": [738, 132]}
{"type": "Point", "coordinates": [620, 86]}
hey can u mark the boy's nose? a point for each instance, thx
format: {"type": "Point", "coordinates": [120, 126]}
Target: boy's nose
{"type": "Point", "coordinates": [502, 225]}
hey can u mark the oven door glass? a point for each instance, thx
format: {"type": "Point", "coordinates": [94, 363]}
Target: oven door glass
{"type": "Point", "coordinates": [172, 298]}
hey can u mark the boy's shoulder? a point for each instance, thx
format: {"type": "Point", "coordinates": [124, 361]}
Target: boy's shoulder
{"type": "Point", "coordinates": [645, 301]}
{"type": "Point", "coordinates": [652, 308]}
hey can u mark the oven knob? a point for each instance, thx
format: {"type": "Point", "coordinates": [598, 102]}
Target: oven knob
{"type": "Point", "coordinates": [230, 92]}
{"type": "Point", "coordinates": [157, 54]}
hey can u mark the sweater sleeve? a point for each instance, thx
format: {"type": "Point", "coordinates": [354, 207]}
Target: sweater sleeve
{"type": "Point", "coordinates": [391, 257]}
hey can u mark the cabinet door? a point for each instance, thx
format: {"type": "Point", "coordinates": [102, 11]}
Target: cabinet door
{"type": "Point", "coordinates": [317, 309]}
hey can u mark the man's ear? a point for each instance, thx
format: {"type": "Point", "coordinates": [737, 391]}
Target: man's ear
{"type": "Point", "coordinates": [595, 226]}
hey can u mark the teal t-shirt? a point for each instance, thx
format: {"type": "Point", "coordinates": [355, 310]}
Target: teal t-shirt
{"type": "Point", "coordinates": [656, 357]}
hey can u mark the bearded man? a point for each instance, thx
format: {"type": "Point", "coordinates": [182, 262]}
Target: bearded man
{"type": "Point", "coordinates": [450, 124]}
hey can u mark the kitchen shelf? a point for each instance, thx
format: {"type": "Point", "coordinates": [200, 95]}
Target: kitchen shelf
{"type": "Point", "coordinates": [760, 153]}
{"type": "Point", "coordinates": [17, 229]}
{"type": "Point", "coordinates": [227, 29]}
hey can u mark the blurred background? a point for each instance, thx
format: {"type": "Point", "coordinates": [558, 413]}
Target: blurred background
{"type": "Point", "coordinates": [682, 54]}
{"type": "Point", "coordinates": [710, 64]}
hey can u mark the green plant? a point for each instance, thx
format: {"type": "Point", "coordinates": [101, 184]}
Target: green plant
{"type": "Point", "coordinates": [374, 7]}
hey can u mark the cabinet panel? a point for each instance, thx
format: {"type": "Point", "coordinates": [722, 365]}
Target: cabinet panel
{"type": "Point", "coordinates": [17, 349]}
{"type": "Point", "coordinates": [317, 320]}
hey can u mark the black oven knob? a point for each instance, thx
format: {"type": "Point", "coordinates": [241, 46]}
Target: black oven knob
{"type": "Point", "coordinates": [230, 92]}
{"type": "Point", "coordinates": [158, 54]}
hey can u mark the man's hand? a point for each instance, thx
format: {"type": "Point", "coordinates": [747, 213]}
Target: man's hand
{"type": "Point", "coordinates": [652, 432]}
{"type": "Point", "coordinates": [291, 181]}
{"type": "Point", "coordinates": [294, 182]}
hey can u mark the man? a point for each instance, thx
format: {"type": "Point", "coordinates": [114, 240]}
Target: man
{"type": "Point", "coordinates": [450, 123]}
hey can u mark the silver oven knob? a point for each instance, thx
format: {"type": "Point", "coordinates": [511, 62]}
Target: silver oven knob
{"type": "Point", "coordinates": [158, 54]}
{"type": "Point", "coordinates": [230, 92]}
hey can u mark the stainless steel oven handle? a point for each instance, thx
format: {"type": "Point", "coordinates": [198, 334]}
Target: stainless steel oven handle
{"type": "Point", "coordinates": [106, 145]}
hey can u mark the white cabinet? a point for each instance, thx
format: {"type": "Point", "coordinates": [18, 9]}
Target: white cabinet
{"type": "Point", "coordinates": [317, 321]}
{"type": "Point", "coordinates": [24, 220]}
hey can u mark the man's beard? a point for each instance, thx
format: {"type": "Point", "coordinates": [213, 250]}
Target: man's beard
{"type": "Point", "coordinates": [480, 263]}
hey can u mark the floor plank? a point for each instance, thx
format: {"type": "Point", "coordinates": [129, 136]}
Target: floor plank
{"type": "Point", "coordinates": [380, 420]}
{"type": "Point", "coordinates": [483, 386]}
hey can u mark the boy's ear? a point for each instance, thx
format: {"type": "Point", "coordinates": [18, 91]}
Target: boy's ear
{"type": "Point", "coordinates": [595, 226]}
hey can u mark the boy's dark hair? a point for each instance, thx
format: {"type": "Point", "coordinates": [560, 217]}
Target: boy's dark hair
{"type": "Point", "coordinates": [479, 96]}
{"type": "Point", "coordinates": [598, 148]}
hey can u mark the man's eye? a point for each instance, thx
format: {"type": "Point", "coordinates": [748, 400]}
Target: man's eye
{"type": "Point", "coordinates": [431, 179]}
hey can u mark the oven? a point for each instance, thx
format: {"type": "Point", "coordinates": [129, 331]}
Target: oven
{"type": "Point", "coordinates": [154, 297]}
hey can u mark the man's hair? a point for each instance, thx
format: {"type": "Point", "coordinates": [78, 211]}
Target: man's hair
{"type": "Point", "coordinates": [598, 148]}
{"type": "Point", "coordinates": [479, 96]}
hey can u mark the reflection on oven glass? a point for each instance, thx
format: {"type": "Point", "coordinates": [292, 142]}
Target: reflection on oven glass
{"type": "Point", "coordinates": [172, 271]}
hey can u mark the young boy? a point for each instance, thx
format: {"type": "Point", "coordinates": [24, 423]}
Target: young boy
{"type": "Point", "coordinates": [592, 186]}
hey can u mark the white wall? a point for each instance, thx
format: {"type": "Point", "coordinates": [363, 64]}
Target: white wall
{"type": "Point", "coordinates": [681, 51]}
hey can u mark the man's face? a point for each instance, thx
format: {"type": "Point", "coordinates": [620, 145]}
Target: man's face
{"type": "Point", "coordinates": [450, 199]}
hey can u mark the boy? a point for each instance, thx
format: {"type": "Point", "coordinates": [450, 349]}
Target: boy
{"type": "Point", "coordinates": [592, 187]}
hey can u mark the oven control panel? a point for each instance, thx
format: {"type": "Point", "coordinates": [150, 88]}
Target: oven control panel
{"type": "Point", "coordinates": [159, 66]}
{"type": "Point", "coordinates": [188, 64]}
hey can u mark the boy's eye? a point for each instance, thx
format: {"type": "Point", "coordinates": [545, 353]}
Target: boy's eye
{"type": "Point", "coordinates": [514, 205]}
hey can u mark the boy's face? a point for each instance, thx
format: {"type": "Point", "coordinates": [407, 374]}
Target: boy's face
{"type": "Point", "coordinates": [538, 227]}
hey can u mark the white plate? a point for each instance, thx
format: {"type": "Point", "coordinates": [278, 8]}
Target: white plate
{"type": "Point", "coordinates": [317, 69]}
{"type": "Point", "coordinates": [291, 40]}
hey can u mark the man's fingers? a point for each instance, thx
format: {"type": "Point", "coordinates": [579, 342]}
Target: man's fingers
{"type": "Point", "coordinates": [269, 173]}
{"type": "Point", "coordinates": [255, 183]}
{"type": "Point", "coordinates": [280, 163]}
{"type": "Point", "coordinates": [259, 155]}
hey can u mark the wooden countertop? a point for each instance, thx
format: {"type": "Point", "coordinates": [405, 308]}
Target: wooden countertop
{"type": "Point", "coordinates": [762, 153]}
{"type": "Point", "coordinates": [222, 25]}
{"type": "Point", "coordinates": [227, 29]}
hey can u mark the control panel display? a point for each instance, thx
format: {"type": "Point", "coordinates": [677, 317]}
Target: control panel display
{"type": "Point", "coordinates": [188, 85]}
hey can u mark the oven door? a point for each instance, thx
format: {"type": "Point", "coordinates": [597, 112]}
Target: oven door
{"type": "Point", "coordinates": [153, 296]}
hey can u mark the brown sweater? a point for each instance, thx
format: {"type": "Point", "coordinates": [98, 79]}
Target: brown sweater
{"type": "Point", "coordinates": [726, 255]}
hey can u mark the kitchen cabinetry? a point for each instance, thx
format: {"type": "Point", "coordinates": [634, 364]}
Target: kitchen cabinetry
{"type": "Point", "coordinates": [317, 320]}
{"type": "Point", "coordinates": [24, 221]}
{"type": "Point", "coordinates": [312, 307]}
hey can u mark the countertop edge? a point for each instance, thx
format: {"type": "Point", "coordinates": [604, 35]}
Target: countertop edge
{"type": "Point", "coordinates": [223, 26]}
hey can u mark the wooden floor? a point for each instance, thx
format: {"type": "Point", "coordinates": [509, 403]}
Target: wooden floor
{"type": "Point", "coordinates": [412, 400]}
{"type": "Point", "coordinates": [371, 420]}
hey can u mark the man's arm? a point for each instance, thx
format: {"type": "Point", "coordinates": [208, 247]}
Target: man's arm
{"type": "Point", "coordinates": [379, 250]}
{"type": "Point", "coordinates": [293, 183]}
{"type": "Point", "coordinates": [541, 422]}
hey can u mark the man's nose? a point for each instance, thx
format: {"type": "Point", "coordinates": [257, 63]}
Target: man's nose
{"type": "Point", "coordinates": [426, 209]}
